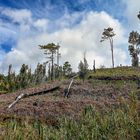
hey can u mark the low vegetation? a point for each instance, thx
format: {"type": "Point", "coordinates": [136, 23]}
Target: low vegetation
{"type": "Point", "coordinates": [118, 123]}
{"type": "Point", "coordinates": [118, 71]}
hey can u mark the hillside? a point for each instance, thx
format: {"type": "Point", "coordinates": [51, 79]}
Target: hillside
{"type": "Point", "coordinates": [93, 91]}
{"type": "Point", "coordinates": [104, 95]}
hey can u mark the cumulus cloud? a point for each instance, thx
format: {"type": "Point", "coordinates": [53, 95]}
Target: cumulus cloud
{"type": "Point", "coordinates": [132, 10]}
{"type": "Point", "coordinates": [83, 35]}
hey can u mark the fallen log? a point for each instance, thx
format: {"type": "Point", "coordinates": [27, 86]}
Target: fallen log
{"type": "Point", "coordinates": [45, 91]}
{"type": "Point", "coordinates": [25, 95]}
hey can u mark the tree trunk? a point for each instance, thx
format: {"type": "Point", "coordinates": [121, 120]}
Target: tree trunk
{"type": "Point", "coordinates": [49, 72]}
{"type": "Point", "coordinates": [52, 68]}
{"type": "Point", "coordinates": [111, 44]}
{"type": "Point", "coordinates": [94, 69]}
{"type": "Point", "coordinates": [58, 62]}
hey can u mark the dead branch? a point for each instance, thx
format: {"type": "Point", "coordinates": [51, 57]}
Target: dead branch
{"type": "Point", "coordinates": [66, 92]}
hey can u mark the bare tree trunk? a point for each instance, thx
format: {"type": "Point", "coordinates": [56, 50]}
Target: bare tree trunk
{"type": "Point", "coordinates": [49, 72]}
{"type": "Point", "coordinates": [94, 69]}
{"type": "Point", "coordinates": [111, 44]}
{"type": "Point", "coordinates": [52, 68]}
{"type": "Point", "coordinates": [58, 57]}
{"type": "Point", "coordinates": [58, 62]}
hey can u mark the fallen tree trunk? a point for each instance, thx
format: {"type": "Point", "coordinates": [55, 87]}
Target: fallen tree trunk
{"type": "Point", "coordinates": [25, 95]}
{"type": "Point", "coordinates": [44, 92]}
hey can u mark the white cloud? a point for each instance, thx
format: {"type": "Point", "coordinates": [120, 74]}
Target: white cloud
{"type": "Point", "coordinates": [132, 10]}
{"type": "Point", "coordinates": [41, 24]}
{"type": "Point", "coordinates": [22, 16]}
{"type": "Point", "coordinates": [84, 36]}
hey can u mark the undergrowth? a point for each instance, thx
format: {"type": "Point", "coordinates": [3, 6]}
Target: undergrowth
{"type": "Point", "coordinates": [122, 123]}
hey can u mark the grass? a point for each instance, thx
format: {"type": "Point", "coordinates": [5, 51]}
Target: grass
{"type": "Point", "coordinates": [118, 71]}
{"type": "Point", "coordinates": [3, 92]}
{"type": "Point", "coordinates": [122, 123]}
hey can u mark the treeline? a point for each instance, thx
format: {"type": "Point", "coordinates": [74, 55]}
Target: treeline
{"type": "Point", "coordinates": [26, 77]}
{"type": "Point", "coordinates": [48, 71]}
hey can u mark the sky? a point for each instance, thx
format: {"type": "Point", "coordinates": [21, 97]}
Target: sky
{"type": "Point", "coordinates": [77, 26]}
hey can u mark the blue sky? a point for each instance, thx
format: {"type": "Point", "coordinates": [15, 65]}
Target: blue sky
{"type": "Point", "coordinates": [55, 8]}
{"type": "Point", "coordinates": [28, 22]}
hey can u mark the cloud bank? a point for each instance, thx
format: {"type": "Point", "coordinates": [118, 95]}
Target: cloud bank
{"type": "Point", "coordinates": [76, 33]}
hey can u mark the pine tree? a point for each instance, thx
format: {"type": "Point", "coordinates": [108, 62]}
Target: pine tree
{"type": "Point", "coordinates": [23, 76]}
{"type": "Point", "coordinates": [133, 48]}
{"type": "Point", "coordinates": [108, 34]}
{"type": "Point", "coordinates": [67, 70]}
{"type": "Point", "coordinates": [40, 73]}
{"type": "Point", "coordinates": [83, 68]}
{"type": "Point", "coordinates": [50, 50]}
{"type": "Point", "coordinates": [11, 83]}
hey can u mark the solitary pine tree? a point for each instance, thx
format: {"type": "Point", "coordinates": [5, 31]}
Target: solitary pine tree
{"type": "Point", "coordinates": [50, 50]}
{"type": "Point", "coordinates": [108, 34]}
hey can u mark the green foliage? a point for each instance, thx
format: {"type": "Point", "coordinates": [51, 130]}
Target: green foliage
{"type": "Point", "coordinates": [39, 74]}
{"type": "Point", "coordinates": [67, 70]}
{"type": "Point", "coordinates": [58, 72]}
{"type": "Point", "coordinates": [83, 69]}
{"type": "Point", "coordinates": [11, 79]}
{"type": "Point", "coordinates": [2, 82]}
{"type": "Point", "coordinates": [134, 54]}
{"type": "Point", "coordinates": [134, 40]}
{"type": "Point", "coordinates": [50, 50]}
{"type": "Point", "coordinates": [24, 79]}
